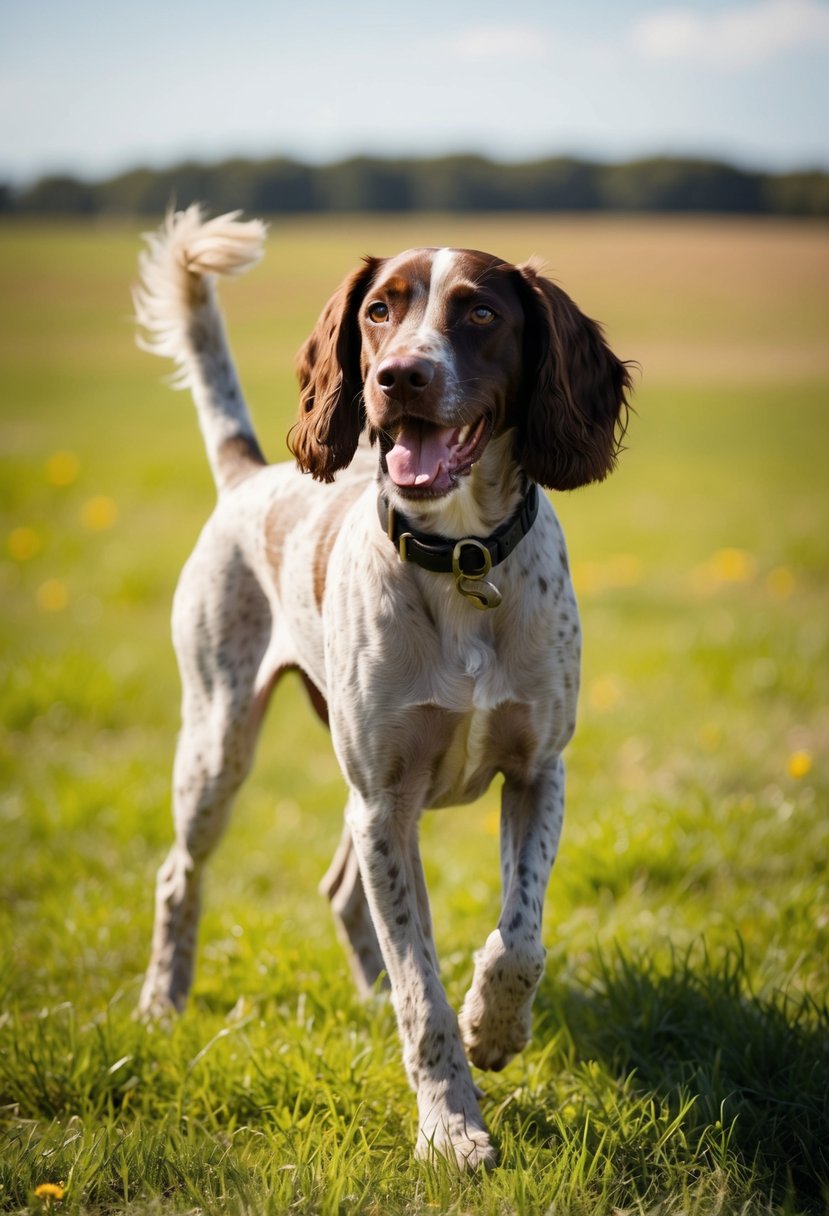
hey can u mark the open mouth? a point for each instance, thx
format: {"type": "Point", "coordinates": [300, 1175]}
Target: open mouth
{"type": "Point", "coordinates": [427, 460]}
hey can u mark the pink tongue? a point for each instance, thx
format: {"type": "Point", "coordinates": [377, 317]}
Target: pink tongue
{"type": "Point", "coordinates": [420, 453]}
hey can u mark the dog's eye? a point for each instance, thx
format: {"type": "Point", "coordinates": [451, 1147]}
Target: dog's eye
{"type": "Point", "coordinates": [378, 312]}
{"type": "Point", "coordinates": [481, 315]}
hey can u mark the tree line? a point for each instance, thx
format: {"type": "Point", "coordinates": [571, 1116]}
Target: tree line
{"type": "Point", "coordinates": [449, 183]}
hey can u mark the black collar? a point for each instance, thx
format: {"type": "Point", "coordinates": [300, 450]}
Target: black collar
{"type": "Point", "coordinates": [471, 557]}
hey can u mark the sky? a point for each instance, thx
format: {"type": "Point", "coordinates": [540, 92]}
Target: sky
{"type": "Point", "coordinates": [92, 88]}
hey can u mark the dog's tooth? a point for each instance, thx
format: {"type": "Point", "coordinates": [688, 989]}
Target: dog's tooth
{"type": "Point", "coordinates": [463, 434]}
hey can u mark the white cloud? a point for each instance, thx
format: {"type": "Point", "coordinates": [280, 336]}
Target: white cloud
{"type": "Point", "coordinates": [740, 37]}
{"type": "Point", "coordinates": [515, 42]}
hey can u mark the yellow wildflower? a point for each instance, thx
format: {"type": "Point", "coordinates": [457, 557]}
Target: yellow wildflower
{"type": "Point", "coordinates": [733, 565]}
{"type": "Point", "coordinates": [50, 1190]}
{"type": "Point", "coordinates": [53, 595]}
{"type": "Point", "coordinates": [492, 823]}
{"type": "Point", "coordinates": [99, 513]}
{"type": "Point", "coordinates": [800, 764]}
{"type": "Point", "coordinates": [724, 566]}
{"type": "Point", "coordinates": [63, 468]}
{"type": "Point", "coordinates": [23, 544]}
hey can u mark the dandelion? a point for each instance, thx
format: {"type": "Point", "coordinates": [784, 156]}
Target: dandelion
{"type": "Point", "coordinates": [53, 595]}
{"type": "Point", "coordinates": [725, 566]}
{"type": "Point", "coordinates": [800, 764]}
{"type": "Point", "coordinates": [733, 566]}
{"type": "Point", "coordinates": [47, 1191]}
{"type": "Point", "coordinates": [99, 513]}
{"type": "Point", "coordinates": [23, 544]}
{"type": "Point", "coordinates": [62, 468]}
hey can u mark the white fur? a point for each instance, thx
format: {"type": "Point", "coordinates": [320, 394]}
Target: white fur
{"type": "Point", "coordinates": [176, 309]}
{"type": "Point", "coordinates": [442, 264]}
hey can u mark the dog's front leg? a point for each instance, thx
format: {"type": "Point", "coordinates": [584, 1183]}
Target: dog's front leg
{"type": "Point", "coordinates": [450, 1120]}
{"type": "Point", "coordinates": [496, 1018]}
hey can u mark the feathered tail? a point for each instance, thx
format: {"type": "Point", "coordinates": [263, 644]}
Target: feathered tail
{"type": "Point", "coordinates": [177, 309]}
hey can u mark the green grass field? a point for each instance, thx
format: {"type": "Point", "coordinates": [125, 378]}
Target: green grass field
{"type": "Point", "coordinates": [680, 1062]}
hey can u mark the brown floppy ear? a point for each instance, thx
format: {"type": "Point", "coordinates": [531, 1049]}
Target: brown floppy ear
{"type": "Point", "coordinates": [331, 411]}
{"type": "Point", "coordinates": [574, 407]}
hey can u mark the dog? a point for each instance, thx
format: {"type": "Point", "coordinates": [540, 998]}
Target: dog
{"type": "Point", "coordinates": [409, 566]}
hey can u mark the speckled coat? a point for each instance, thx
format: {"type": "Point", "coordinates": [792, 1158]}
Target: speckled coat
{"type": "Point", "coordinates": [448, 382]}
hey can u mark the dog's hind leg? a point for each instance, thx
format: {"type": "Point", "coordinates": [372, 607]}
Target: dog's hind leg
{"type": "Point", "coordinates": [343, 886]}
{"type": "Point", "coordinates": [221, 629]}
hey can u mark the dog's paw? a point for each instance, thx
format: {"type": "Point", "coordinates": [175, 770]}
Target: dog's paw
{"type": "Point", "coordinates": [496, 1017]}
{"type": "Point", "coordinates": [455, 1139]}
{"type": "Point", "coordinates": [451, 1123]}
{"type": "Point", "coordinates": [492, 1040]}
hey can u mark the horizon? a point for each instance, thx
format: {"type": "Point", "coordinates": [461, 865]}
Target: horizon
{"type": "Point", "coordinates": [218, 161]}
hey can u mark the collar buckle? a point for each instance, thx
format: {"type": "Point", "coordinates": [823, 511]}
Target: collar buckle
{"type": "Point", "coordinates": [479, 568]}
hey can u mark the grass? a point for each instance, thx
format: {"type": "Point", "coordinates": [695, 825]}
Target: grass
{"type": "Point", "coordinates": [680, 1062]}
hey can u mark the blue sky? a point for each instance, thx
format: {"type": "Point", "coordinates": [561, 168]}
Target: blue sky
{"type": "Point", "coordinates": [92, 87]}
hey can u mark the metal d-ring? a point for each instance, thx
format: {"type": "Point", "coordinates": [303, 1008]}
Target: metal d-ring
{"type": "Point", "coordinates": [472, 586]}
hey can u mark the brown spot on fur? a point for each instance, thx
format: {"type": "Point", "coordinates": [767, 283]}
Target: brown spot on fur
{"type": "Point", "coordinates": [327, 530]}
{"type": "Point", "coordinates": [198, 289]}
{"type": "Point", "coordinates": [283, 516]}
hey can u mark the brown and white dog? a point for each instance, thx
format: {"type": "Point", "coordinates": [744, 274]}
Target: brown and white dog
{"type": "Point", "coordinates": [422, 590]}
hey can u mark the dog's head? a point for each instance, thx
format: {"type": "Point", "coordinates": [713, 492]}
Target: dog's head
{"type": "Point", "coordinates": [438, 351]}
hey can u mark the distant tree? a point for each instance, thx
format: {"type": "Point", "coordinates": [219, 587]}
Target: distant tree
{"type": "Point", "coordinates": [448, 183]}
{"type": "Point", "coordinates": [140, 192]}
{"type": "Point", "coordinates": [798, 194]}
{"type": "Point", "coordinates": [456, 183]}
{"type": "Point", "coordinates": [60, 195]}
{"type": "Point", "coordinates": [271, 187]}
{"type": "Point", "coordinates": [667, 184]}
{"type": "Point", "coordinates": [562, 184]}
{"type": "Point", "coordinates": [364, 184]}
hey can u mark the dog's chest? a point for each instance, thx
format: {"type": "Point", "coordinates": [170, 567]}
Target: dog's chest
{"type": "Point", "coordinates": [507, 706]}
{"type": "Point", "coordinates": [516, 653]}
{"type": "Point", "coordinates": [479, 745]}
{"type": "Point", "coordinates": [471, 676]}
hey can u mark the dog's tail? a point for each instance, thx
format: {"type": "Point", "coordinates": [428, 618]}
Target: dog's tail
{"type": "Point", "coordinates": [177, 309]}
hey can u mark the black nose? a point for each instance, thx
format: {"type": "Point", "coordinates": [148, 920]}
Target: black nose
{"type": "Point", "coordinates": [405, 376]}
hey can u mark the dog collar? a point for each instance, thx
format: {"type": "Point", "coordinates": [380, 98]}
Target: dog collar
{"type": "Point", "coordinates": [470, 558]}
